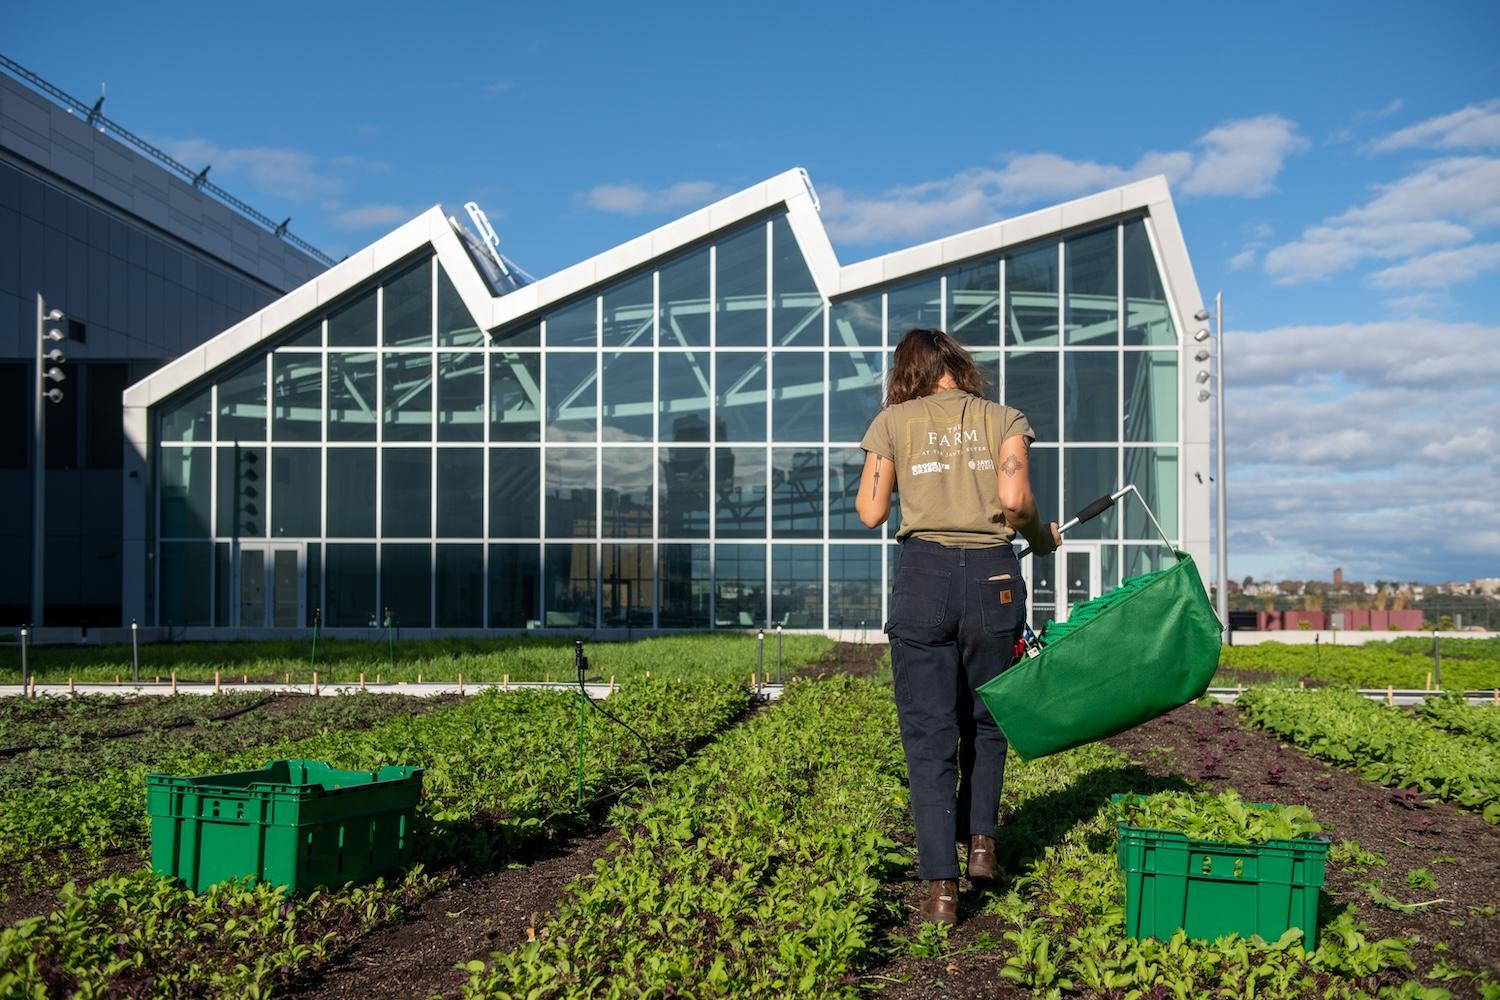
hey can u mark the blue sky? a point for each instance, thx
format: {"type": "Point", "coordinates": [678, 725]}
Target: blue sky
{"type": "Point", "coordinates": [1336, 169]}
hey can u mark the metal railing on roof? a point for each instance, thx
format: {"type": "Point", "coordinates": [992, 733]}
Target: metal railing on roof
{"type": "Point", "coordinates": [199, 180]}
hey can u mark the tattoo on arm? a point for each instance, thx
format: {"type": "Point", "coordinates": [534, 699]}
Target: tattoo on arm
{"type": "Point", "coordinates": [1011, 465]}
{"type": "Point", "coordinates": [875, 483]}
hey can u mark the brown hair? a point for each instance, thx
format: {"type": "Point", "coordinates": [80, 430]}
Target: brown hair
{"type": "Point", "coordinates": [922, 358]}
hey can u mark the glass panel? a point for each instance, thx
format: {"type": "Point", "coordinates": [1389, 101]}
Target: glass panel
{"type": "Point", "coordinates": [974, 304]}
{"type": "Point", "coordinates": [1147, 318]}
{"type": "Point", "coordinates": [1088, 474]}
{"type": "Point", "coordinates": [460, 397]}
{"type": "Point", "coordinates": [312, 608]}
{"type": "Point", "coordinates": [1042, 471]}
{"type": "Point", "coordinates": [845, 466]}
{"type": "Point", "coordinates": [406, 493]}
{"type": "Point", "coordinates": [740, 492]}
{"type": "Point", "coordinates": [627, 586]}
{"type": "Point", "coordinates": [241, 493]}
{"type": "Point", "coordinates": [515, 492]}
{"type": "Point", "coordinates": [627, 484]}
{"type": "Point", "coordinates": [854, 586]}
{"type": "Point", "coordinates": [1042, 583]}
{"type": "Point", "coordinates": [185, 492]}
{"type": "Point", "coordinates": [406, 585]}
{"type": "Point", "coordinates": [571, 484]}
{"type": "Point", "coordinates": [408, 397]}
{"type": "Point", "coordinates": [741, 288]}
{"type": "Point", "coordinates": [684, 493]}
{"type": "Point", "coordinates": [1079, 584]}
{"type": "Point", "coordinates": [252, 588]}
{"type": "Point", "coordinates": [913, 306]}
{"type": "Point", "coordinates": [521, 335]}
{"type": "Point", "coordinates": [353, 325]}
{"type": "Point", "coordinates": [1031, 297]}
{"type": "Point", "coordinates": [797, 406]}
{"type": "Point", "coordinates": [242, 404]}
{"type": "Point", "coordinates": [1154, 472]}
{"type": "Point", "coordinates": [685, 583]}
{"type": "Point", "coordinates": [460, 586]}
{"type": "Point", "coordinates": [1109, 567]}
{"type": "Point", "coordinates": [797, 585]}
{"type": "Point", "coordinates": [351, 397]}
{"type": "Point", "coordinates": [286, 588]}
{"type": "Point", "coordinates": [1031, 387]}
{"type": "Point", "coordinates": [739, 585]}
{"type": "Point", "coordinates": [515, 586]}
{"type": "Point", "coordinates": [185, 419]}
{"type": "Point", "coordinates": [855, 379]}
{"type": "Point", "coordinates": [1092, 302]}
{"type": "Point", "coordinates": [516, 397]}
{"type": "Point", "coordinates": [296, 492]}
{"type": "Point", "coordinates": [223, 585]}
{"type": "Point", "coordinates": [460, 493]}
{"type": "Point", "coordinates": [351, 484]}
{"type": "Point", "coordinates": [186, 570]}
{"type": "Point", "coordinates": [574, 325]}
{"type": "Point", "coordinates": [309, 336]}
{"type": "Point", "coordinates": [684, 395]}
{"type": "Point", "coordinates": [1091, 396]}
{"type": "Point", "coordinates": [988, 363]}
{"type": "Point", "coordinates": [628, 307]}
{"type": "Point", "coordinates": [856, 322]}
{"type": "Point", "coordinates": [570, 586]}
{"type": "Point", "coordinates": [683, 286]}
{"type": "Point", "coordinates": [456, 327]}
{"type": "Point", "coordinates": [297, 391]}
{"type": "Point", "coordinates": [408, 307]}
{"type": "Point", "coordinates": [741, 412]}
{"type": "Point", "coordinates": [627, 397]}
{"type": "Point", "coordinates": [571, 397]}
{"type": "Point", "coordinates": [796, 305]}
{"type": "Point", "coordinates": [797, 493]}
{"type": "Point", "coordinates": [1147, 559]}
{"type": "Point", "coordinates": [350, 583]}
{"type": "Point", "coordinates": [1150, 396]}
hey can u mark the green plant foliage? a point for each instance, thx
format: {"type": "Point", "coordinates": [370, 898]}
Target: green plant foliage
{"type": "Point", "coordinates": [1223, 817]}
{"type": "Point", "coordinates": [1421, 878]}
{"type": "Point", "coordinates": [755, 871]}
{"type": "Point", "coordinates": [1450, 712]}
{"type": "Point", "coordinates": [1350, 854]}
{"type": "Point", "coordinates": [1374, 664]}
{"type": "Point", "coordinates": [1384, 745]}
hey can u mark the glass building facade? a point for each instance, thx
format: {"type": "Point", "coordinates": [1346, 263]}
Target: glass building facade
{"type": "Point", "coordinates": [676, 447]}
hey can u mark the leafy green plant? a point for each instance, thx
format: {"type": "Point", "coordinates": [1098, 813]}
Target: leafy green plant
{"type": "Point", "coordinates": [1223, 817]}
{"type": "Point", "coordinates": [1402, 663]}
{"type": "Point", "coordinates": [1421, 878]}
{"type": "Point", "coordinates": [1350, 854]}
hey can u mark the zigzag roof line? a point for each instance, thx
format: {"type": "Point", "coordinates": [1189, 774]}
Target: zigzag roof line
{"type": "Point", "coordinates": [792, 189]}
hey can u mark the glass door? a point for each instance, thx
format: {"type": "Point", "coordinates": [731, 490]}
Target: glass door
{"type": "Point", "coordinates": [1080, 578]}
{"type": "Point", "coordinates": [1056, 582]}
{"type": "Point", "coordinates": [270, 580]}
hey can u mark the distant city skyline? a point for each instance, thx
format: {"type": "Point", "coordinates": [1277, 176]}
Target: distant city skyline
{"type": "Point", "coordinates": [1342, 187]}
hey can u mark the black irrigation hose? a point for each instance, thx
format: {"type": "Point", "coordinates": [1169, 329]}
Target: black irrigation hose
{"type": "Point", "coordinates": [123, 733]}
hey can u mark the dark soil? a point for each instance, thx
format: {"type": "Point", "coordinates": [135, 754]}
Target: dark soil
{"type": "Point", "coordinates": [1212, 745]}
{"type": "Point", "coordinates": [857, 659]}
{"type": "Point", "coordinates": [33, 893]}
{"type": "Point", "coordinates": [473, 916]}
{"type": "Point", "coordinates": [1208, 748]}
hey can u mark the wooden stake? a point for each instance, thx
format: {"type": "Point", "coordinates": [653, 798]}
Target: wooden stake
{"type": "Point", "coordinates": [1390, 694]}
{"type": "Point", "coordinates": [377, 680]}
{"type": "Point", "coordinates": [244, 678]}
{"type": "Point", "coordinates": [1495, 698]}
{"type": "Point", "coordinates": [1302, 683]}
{"type": "Point", "coordinates": [648, 675]}
{"type": "Point", "coordinates": [70, 685]}
{"type": "Point", "coordinates": [1429, 681]}
{"type": "Point", "coordinates": [547, 678]}
{"type": "Point", "coordinates": [1239, 690]}
{"type": "Point", "coordinates": [461, 682]}
{"type": "Point", "coordinates": [216, 682]}
{"type": "Point", "coordinates": [419, 678]}
{"type": "Point", "coordinates": [361, 681]}
{"type": "Point", "coordinates": [752, 680]}
{"type": "Point", "coordinates": [611, 683]}
{"type": "Point", "coordinates": [174, 682]}
{"type": "Point", "coordinates": [158, 678]}
{"type": "Point", "coordinates": [315, 682]}
{"type": "Point", "coordinates": [117, 678]}
{"type": "Point", "coordinates": [504, 682]}
{"type": "Point", "coordinates": [288, 679]}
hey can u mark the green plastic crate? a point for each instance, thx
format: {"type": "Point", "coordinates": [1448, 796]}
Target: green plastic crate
{"type": "Point", "coordinates": [295, 823]}
{"type": "Point", "coordinates": [1210, 888]}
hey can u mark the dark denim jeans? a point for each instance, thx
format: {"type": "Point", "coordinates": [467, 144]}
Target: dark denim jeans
{"type": "Point", "coordinates": [955, 617]}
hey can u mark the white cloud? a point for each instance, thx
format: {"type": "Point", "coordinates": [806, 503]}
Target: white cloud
{"type": "Point", "coordinates": [1418, 304]}
{"type": "Point", "coordinates": [372, 216]}
{"type": "Point", "coordinates": [1371, 446]}
{"type": "Point", "coordinates": [1245, 258]}
{"type": "Point", "coordinates": [1437, 206]}
{"type": "Point", "coordinates": [1474, 127]}
{"type": "Point", "coordinates": [281, 172]}
{"type": "Point", "coordinates": [630, 199]}
{"type": "Point", "coordinates": [1239, 158]}
{"type": "Point", "coordinates": [1441, 268]}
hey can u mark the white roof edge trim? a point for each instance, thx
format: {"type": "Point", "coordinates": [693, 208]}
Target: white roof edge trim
{"type": "Point", "coordinates": [791, 188]}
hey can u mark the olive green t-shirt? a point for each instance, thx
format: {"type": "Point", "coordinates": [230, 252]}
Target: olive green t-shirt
{"type": "Point", "coordinates": [946, 449]}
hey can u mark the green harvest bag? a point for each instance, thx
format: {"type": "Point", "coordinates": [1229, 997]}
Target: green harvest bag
{"type": "Point", "coordinates": [1138, 657]}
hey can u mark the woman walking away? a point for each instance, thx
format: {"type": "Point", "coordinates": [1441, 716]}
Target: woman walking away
{"type": "Point", "coordinates": [959, 462]}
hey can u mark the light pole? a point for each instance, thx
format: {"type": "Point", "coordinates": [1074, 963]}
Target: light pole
{"type": "Point", "coordinates": [1221, 567]}
{"type": "Point", "coordinates": [48, 357]}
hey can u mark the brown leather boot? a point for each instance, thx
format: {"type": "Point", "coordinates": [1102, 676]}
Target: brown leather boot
{"type": "Point", "coordinates": [982, 866]}
{"type": "Point", "coordinates": [941, 905]}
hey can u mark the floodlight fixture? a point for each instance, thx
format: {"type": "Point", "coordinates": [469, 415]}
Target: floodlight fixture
{"type": "Point", "coordinates": [53, 335]}
{"type": "Point", "coordinates": [1202, 354]}
{"type": "Point", "coordinates": [55, 356]}
{"type": "Point", "coordinates": [55, 374]}
{"type": "Point", "coordinates": [54, 315]}
{"type": "Point", "coordinates": [1201, 335]}
{"type": "Point", "coordinates": [1201, 315]}
{"type": "Point", "coordinates": [1203, 395]}
{"type": "Point", "coordinates": [53, 395]}
{"type": "Point", "coordinates": [1203, 376]}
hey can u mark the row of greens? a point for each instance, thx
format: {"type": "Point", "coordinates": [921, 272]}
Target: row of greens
{"type": "Point", "coordinates": [1454, 714]}
{"type": "Point", "coordinates": [1385, 746]}
{"type": "Point", "coordinates": [49, 721]}
{"type": "Point", "coordinates": [1373, 665]}
{"type": "Point", "coordinates": [1222, 817]}
{"type": "Point", "coordinates": [733, 654]}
